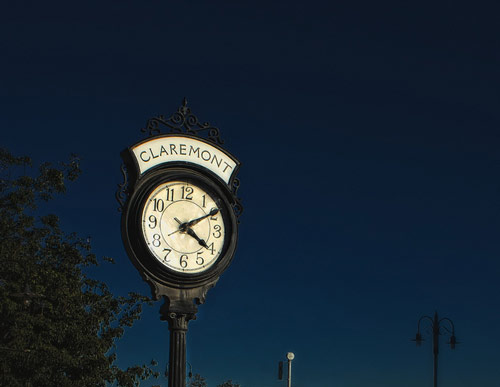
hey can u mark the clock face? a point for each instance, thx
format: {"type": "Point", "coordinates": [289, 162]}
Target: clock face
{"type": "Point", "coordinates": [183, 226]}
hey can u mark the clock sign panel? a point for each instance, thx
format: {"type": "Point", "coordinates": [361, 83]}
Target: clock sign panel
{"type": "Point", "coordinates": [183, 226]}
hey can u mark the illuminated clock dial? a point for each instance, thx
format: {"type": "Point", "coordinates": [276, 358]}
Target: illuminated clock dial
{"type": "Point", "coordinates": [183, 226]}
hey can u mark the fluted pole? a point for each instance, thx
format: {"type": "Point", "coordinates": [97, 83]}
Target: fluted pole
{"type": "Point", "coordinates": [178, 326]}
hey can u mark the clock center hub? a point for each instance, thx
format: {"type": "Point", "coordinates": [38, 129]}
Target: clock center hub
{"type": "Point", "coordinates": [174, 225]}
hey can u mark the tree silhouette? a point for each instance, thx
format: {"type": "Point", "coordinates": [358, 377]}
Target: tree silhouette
{"type": "Point", "coordinates": [229, 383]}
{"type": "Point", "coordinates": [58, 325]}
{"type": "Point", "coordinates": [197, 381]}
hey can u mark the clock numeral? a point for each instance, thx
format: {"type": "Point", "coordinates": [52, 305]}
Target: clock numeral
{"type": "Point", "coordinates": [211, 248]}
{"type": "Point", "coordinates": [199, 259]}
{"type": "Point", "coordinates": [217, 233]}
{"type": "Point", "coordinates": [170, 194]}
{"type": "Point", "coordinates": [183, 261]}
{"type": "Point", "coordinates": [153, 223]}
{"type": "Point", "coordinates": [187, 193]}
{"type": "Point", "coordinates": [204, 201]}
{"type": "Point", "coordinates": [165, 259]}
{"type": "Point", "coordinates": [158, 205]}
{"type": "Point", "coordinates": [156, 240]}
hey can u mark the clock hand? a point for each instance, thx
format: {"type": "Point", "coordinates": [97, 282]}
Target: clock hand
{"type": "Point", "coordinates": [212, 212]}
{"type": "Point", "coordinates": [181, 227]}
{"type": "Point", "coordinates": [202, 242]}
{"type": "Point", "coordinates": [185, 227]}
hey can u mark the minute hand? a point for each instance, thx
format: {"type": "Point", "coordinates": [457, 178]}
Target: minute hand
{"type": "Point", "coordinates": [212, 212]}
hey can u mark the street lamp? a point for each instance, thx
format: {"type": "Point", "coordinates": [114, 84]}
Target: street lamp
{"type": "Point", "coordinates": [438, 327]}
{"type": "Point", "coordinates": [290, 356]}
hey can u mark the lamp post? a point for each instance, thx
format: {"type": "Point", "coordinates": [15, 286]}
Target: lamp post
{"type": "Point", "coordinates": [438, 327]}
{"type": "Point", "coordinates": [290, 356]}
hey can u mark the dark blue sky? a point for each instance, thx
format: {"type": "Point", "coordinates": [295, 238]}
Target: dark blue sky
{"type": "Point", "coordinates": [368, 133]}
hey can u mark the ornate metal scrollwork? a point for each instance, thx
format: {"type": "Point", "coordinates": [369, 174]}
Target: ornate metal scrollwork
{"type": "Point", "coordinates": [121, 192]}
{"type": "Point", "coordinates": [183, 121]}
{"type": "Point", "coordinates": [237, 206]}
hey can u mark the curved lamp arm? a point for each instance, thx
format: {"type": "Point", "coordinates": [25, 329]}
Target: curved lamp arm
{"type": "Point", "coordinates": [453, 340]}
{"type": "Point", "coordinates": [451, 324]}
{"type": "Point", "coordinates": [418, 337]}
{"type": "Point", "coordinates": [423, 318]}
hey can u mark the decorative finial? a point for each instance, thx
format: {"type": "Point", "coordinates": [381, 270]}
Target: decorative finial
{"type": "Point", "coordinates": [184, 105]}
{"type": "Point", "coordinates": [183, 121]}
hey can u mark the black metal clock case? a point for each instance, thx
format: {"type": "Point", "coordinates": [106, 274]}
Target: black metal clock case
{"type": "Point", "coordinates": [153, 272]}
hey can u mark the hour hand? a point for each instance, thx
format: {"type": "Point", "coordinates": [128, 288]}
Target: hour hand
{"type": "Point", "coordinates": [202, 242]}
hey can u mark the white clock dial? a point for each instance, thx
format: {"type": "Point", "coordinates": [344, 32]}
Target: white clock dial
{"type": "Point", "coordinates": [183, 226]}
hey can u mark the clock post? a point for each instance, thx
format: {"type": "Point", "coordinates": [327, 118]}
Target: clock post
{"type": "Point", "coordinates": [179, 221]}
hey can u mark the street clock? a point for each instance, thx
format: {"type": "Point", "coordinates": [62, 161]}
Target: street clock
{"type": "Point", "coordinates": [179, 205]}
{"type": "Point", "coordinates": [180, 214]}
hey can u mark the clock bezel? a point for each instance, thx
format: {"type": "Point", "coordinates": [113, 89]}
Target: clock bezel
{"type": "Point", "coordinates": [144, 259]}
